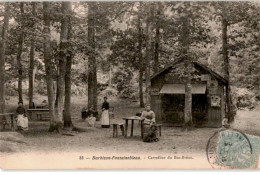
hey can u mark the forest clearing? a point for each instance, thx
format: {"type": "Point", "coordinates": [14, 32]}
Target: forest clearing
{"type": "Point", "coordinates": [173, 139]}
{"type": "Point", "coordinates": [39, 144]}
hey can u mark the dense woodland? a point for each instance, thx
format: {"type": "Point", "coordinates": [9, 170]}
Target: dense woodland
{"type": "Point", "coordinates": [60, 49]}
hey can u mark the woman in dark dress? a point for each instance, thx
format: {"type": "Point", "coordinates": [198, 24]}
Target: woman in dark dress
{"type": "Point", "coordinates": [105, 123]}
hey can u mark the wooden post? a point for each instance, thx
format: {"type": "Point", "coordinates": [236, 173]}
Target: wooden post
{"type": "Point", "coordinates": [116, 131]}
{"type": "Point", "coordinates": [12, 122]}
{"type": "Point", "coordinates": [142, 128]}
{"type": "Point", "coordinates": [122, 129]}
{"type": "Point", "coordinates": [132, 129]}
{"type": "Point", "coordinates": [126, 127]}
{"type": "Point", "coordinates": [113, 130]}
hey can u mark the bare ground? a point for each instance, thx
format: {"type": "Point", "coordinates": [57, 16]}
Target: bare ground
{"type": "Point", "coordinates": [173, 140]}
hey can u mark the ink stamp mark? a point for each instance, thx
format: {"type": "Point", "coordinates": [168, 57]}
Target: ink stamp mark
{"type": "Point", "coordinates": [230, 149]}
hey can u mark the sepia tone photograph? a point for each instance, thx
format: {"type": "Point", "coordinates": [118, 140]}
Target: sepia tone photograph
{"type": "Point", "coordinates": [130, 85]}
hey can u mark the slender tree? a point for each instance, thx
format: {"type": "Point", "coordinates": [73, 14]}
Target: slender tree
{"type": "Point", "coordinates": [148, 55]}
{"type": "Point", "coordinates": [157, 37]}
{"type": "Point", "coordinates": [31, 60]}
{"type": "Point", "coordinates": [92, 69]}
{"type": "Point", "coordinates": [188, 68]}
{"type": "Point", "coordinates": [185, 45]}
{"type": "Point", "coordinates": [141, 67]}
{"type": "Point", "coordinates": [230, 13]}
{"type": "Point", "coordinates": [226, 64]}
{"type": "Point", "coordinates": [48, 63]}
{"type": "Point", "coordinates": [19, 54]}
{"type": "Point", "coordinates": [3, 39]}
{"type": "Point", "coordinates": [62, 61]}
{"type": "Point", "coordinates": [67, 103]}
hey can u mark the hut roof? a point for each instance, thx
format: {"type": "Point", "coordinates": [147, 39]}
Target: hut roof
{"type": "Point", "coordinates": [196, 63]}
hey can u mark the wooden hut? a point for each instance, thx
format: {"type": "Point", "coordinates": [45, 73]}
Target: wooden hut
{"type": "Point", "coordinates": [208, 99]}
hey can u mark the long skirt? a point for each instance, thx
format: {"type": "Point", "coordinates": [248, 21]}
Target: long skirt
{"type": "Point", "coordinates": [105, 123]}
{"type": "Point", "coordinates": [91, 121]}
{"type": "Point", "coordinates": [22, 122]}
{"type": "Point", "coordinates": [150, 133]}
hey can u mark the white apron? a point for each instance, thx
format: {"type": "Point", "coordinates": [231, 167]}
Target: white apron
{"type": "Point", "coordinates": [105, 119]}
{"type": "Point", "coordinates": [22, 122]}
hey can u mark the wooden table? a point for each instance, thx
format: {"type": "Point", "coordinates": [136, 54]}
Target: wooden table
{"type": "Point", "coordinates": [38, 112]}
{"type": "Point", "coordinates": [133, 118]}
{"type": "Point", "coordinates": [4, 119]}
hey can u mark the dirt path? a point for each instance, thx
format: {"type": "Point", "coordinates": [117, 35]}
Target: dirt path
{"type": "Point", "coordinates": [97, 140]}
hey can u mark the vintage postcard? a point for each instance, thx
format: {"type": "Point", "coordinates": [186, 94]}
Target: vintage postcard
{"type": "Point", "coordinates": [129, 85]}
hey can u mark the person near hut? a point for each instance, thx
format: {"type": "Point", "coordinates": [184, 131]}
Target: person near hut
{"type": "Point", "coordinates": [105, 123]}
{"type": "Point", "coordinates": [84, 113]}
{"type": "Point", "coordinates": [22, 120]}
{"type": "Point", "coordinates": [149, 125]}
{"type": "Point", "coordinates": [91, 117]}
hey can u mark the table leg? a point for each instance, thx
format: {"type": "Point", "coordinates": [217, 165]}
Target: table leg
{"type": "Point", "coordinates": [142, 128]}
{"type": "Point", "coordinates": [114, 130]}
{"type": "Point", "coordinates": [126, 127]}
{"type": "Point", "coordinates": [132, 129]}
{"type": "Point", "coordinates": [12, 122]}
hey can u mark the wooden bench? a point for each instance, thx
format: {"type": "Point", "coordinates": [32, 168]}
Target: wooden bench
{"type": "Point", "coordinates": [3, 120]}
{"type": "Point", "coordinates": [38, 112]}
{"type": "Point", "coordinates": [115, 131]}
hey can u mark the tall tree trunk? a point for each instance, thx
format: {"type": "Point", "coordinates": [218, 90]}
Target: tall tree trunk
{"type": "Point", "coordinates": [148, 55]}
{"type": "Point", "coordinates": [19, 56]}
{"type": "Point", "coordinates": [62, 62]}
{"type": "Point", "coordinates": [92, 72]}
{"type": "Point", "coordinates": [226, 68]}
{"type": "Point", "coordinates": [141, 68]}
{"type": "Point", "coordinates": [110, 75]}
{"type": "Point", "coordinates": [31, 64]}
{"type": "Point", "coordinates": [48, 63]}
{"type": "Point", "coordinates": [185, 40]}
{"type": "Point", "coordinates": [157, 39]}
{"type": "Point", "coordinates": [3, 39]}
{"type": "Point", "coordinates": [67, 103]}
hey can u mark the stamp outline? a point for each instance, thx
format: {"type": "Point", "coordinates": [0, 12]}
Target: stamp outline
{"type": "Point", "coordinates": [221, 130]}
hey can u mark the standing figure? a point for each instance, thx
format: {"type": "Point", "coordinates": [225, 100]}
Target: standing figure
{"type": "Point", "coordinates": [105, 123]}
{"type": "Point", "coordinates": [149, 125]}
{"type": "Point", "coordinates": [22, 120]}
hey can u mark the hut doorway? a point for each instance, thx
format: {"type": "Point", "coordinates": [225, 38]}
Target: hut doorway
{"type": "Point", "coordinates": [173, 104]}
{"type": "Point", "coordinates": [173, 109]}
{"type": "Point", "coordinates": [199, 109]}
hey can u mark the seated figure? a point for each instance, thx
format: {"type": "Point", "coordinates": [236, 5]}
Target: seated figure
{"type": "Point", "coordinates": [149, 125]}
{"type": "Point", "coordinates": [90, 117]}
{"type": "Point", "coordinates": [22, 120]}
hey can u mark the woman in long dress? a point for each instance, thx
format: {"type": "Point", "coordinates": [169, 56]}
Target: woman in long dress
{"type": "Point", "coordinates": [22, 120]}
{"type": "Point", "coordinates": [105, 123]}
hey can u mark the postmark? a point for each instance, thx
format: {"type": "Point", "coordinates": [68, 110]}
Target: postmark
{"type": "Point", "coordinates": [230, 149]}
